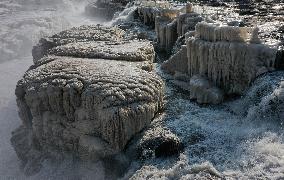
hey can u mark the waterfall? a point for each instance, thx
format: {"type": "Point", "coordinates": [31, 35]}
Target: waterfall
{"type": "Point", "coordinates": [126, 15]}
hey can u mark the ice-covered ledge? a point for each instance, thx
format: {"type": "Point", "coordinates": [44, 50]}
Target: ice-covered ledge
{"type": "Point", "coordinates": [230, 57]}
{"type": "Point", "coordinates": [88, 93]}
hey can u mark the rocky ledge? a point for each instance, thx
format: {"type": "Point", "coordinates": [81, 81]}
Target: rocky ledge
{"type": "Point", "coordinates": [87, 96]}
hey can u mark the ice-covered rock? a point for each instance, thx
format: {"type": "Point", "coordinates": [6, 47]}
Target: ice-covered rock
{"type": "Point", "coordinates": [166, 31]}
{"type": "Point", "coordinates": [133, 51]}
{"type": "Point", "coordinates": [88, 93]}
{"type": "Point", "coordinates": [230, 57]}
{"type": "Point", "coordinates": [187, 22]}
{"type": "Point", "coordinates": [89, 107]}
{"type": "Point", "coordinates": [77, 34]}
{"type": "Point", "coordinates": [204, 92]}
{"type": "Point", "coordinates": [157, 142]}
{"type": "Point", "coordinates": [149, 11]}
{"type": "Point", "coordinates": [168, 22]}
{"type": "Point", "coordinates": [177, 62]}
{"type": "Point", "coordinates": [223, 55]}
{"type": "Point", "coordinates": [214, 33]}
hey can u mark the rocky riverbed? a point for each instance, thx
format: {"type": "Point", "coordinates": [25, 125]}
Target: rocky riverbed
{"type": "Point", "coordinates": [103, 93]}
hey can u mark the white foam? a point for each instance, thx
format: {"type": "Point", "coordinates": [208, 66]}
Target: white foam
{"type": "Point", "coordinates": [224, 142]}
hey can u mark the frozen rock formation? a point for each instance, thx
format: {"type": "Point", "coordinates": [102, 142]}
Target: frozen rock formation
{"type": "Point", "coordinates": [149, 10]}
{"type": "Point", "coordinates": [187, 22]}
{"type": "Point", "coordinates": [166, 32]}
{"type": "Point", "coordinates": [168, 29]}
{"type": "Point", "coordinates": [157, 142]}
{"type": "Point", "coordinates": [204, 92]}
{"type": "Point", "coordinates": [133, 51]}
{"type": "Point", "coordinates": [90, 107]}
{"type": "Point", "coordinates": [168, 22]}
{"type": "Point", "coordinates": [229, 57]}
{"type": "Point", "coordinates": [177, 62]}
{"type": "Point", "coordinates": [214, 33]}
{"type": "Point", "coordinates": [77, 34]}
{"type": "Point", "coordinates": [87, 94]}
{"type": "Point", "coordinates": [222, 54]}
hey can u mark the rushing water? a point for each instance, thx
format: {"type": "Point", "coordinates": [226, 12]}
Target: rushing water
{"type": "Point", "coordinates": [241, 139]}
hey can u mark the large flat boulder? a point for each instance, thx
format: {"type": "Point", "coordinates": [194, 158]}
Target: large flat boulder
{"type": "Point", "coordinates": [77, 34]}
{"type": "Point", "coordinates": [88, 93]}
{"type": "Point", "coordinates": [124, 50]}
{"type": "Point", "coordinates": [65, 102]}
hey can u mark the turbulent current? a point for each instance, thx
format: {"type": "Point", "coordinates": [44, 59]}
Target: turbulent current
{"type": "Point", "coordinates": [241, 139]}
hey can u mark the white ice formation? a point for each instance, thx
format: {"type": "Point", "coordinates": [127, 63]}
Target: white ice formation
{"type": "Point", "coordinates": [229, 57]}
{"type": "Point", "coordinates": [88, 96]}
{"type": "Point", "coordinates": [223, 54]}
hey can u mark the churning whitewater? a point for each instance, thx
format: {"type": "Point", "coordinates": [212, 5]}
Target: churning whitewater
{"type": "Point", "coordinates": [240, 139]}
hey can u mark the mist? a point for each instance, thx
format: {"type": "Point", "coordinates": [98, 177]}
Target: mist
{"type": "Point", "coordinates": [23, 23]}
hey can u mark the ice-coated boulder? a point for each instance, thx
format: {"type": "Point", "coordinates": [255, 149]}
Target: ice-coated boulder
{"type": "Point", "coordinates": [90, 107]}
{"type": "Point", "coordinates": [177, 62]}
{"type": "Point", "coordinates": [158, 142]}
{"type": "Point", "coordinates": [204, 92]}
{"type": "Point", "coordinates": [169, 22]}
{"type": "Point", "coordinates": [123, 50]}
{"type": "Point", "coordinates": [77, 34]}
{"type": "Point", "coordinates": [88, 93]}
